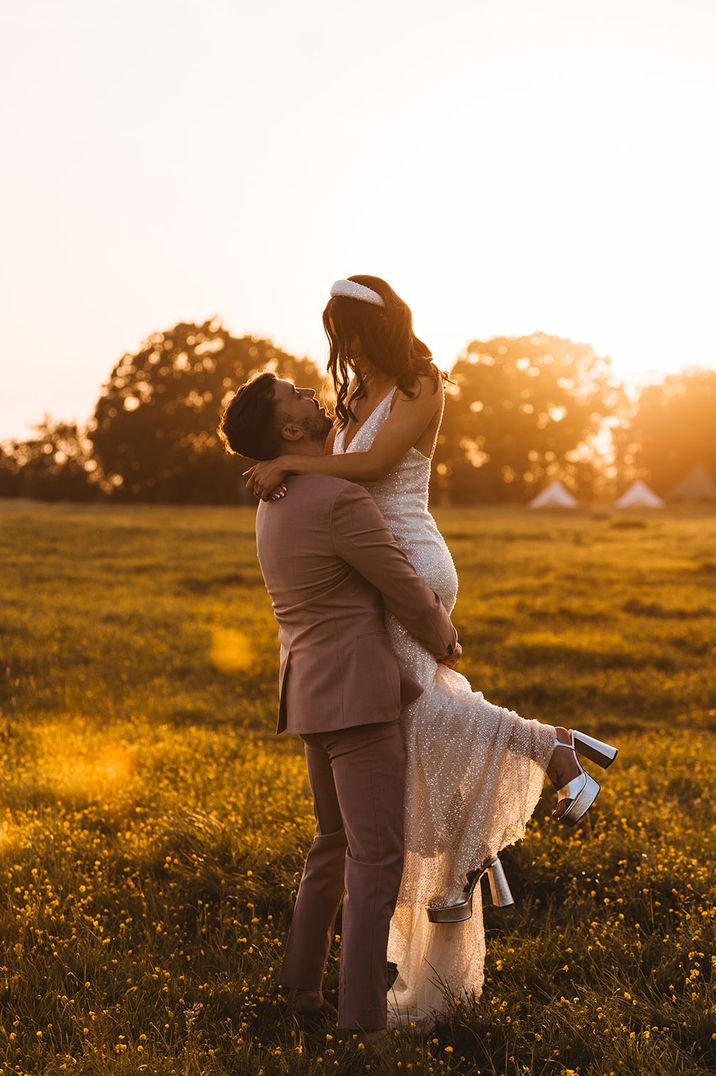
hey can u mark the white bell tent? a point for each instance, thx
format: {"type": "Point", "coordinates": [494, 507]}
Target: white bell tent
{"type": "Point", "coordinates": [639, 495]}
{"type": "Point", "coordinates": [698, 485]}
{"type": "Point", "coordinates": [555, 495]}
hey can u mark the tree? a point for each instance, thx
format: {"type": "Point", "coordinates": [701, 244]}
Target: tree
{"type": "Point", "coordinates": [9, 472]}
{"type": "Point", "coordinates": [154, 426]}
{"type": "Point", "coordinates": [524, 410]}
{"type": "Point", "coordinates": [674, 428]}
{"type": "Point", "coordinates": [55, 465]}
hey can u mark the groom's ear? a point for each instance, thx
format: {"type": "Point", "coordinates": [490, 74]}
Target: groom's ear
{"type": "Point", "coordinates": [292, 431]}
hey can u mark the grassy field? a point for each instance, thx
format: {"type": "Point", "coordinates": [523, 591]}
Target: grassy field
{"type": "Point", "coordinates": [153, 828]}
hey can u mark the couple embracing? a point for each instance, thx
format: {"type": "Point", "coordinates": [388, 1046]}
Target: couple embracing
{"type": "Point", "coordinates": [417, 780]}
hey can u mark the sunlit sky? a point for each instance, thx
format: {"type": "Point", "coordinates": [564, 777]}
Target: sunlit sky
{"type": "Point", "coordinates": [508, 166]}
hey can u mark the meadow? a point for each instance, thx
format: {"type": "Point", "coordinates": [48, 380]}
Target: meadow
{"type": "Point", "coordinates": [153, 827]}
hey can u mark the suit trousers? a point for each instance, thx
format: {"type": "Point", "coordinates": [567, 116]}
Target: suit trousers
{"type": "Point", "coordinates": [357, 778]}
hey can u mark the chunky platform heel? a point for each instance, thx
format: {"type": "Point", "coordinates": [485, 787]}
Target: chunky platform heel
{"type": "Point", "coordinates": [582, 790]}
{"type": "Point", "coordinates": [596, 750]}
{"type": "Point", "coordinates": [462, 909]}
{"type": "Point", "coordinates": [499, 887]}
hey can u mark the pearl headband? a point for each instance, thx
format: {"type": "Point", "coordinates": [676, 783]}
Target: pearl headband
{"type": "Point", "coordinates": [351, 290]}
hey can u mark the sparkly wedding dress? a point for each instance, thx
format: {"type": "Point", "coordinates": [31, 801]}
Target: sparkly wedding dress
{"type": "Point", "coordinates": [474, 770]}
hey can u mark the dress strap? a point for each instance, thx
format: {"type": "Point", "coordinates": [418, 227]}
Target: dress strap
{"type": "Point", "coordinates": [384, 408]}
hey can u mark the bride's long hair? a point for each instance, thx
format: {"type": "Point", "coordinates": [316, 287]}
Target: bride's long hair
{"type": "Point", "coordinates": [387, 340]}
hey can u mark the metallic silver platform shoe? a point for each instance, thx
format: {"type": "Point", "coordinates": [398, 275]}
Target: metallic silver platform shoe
{"type": "Point", "coordinates": [583, 790]}
{"type": "Point", "coordinates": [462, 909]}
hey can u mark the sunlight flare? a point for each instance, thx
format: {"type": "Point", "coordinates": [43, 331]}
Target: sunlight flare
{"type": "Point", "coordinates": [231, 650]}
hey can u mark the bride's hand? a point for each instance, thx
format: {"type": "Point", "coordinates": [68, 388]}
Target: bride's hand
{"type": "Point", "coordinates": [265, 479]}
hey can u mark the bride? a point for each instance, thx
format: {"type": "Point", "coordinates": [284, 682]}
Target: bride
{"type": "Point", "coordinates": [474, 769]}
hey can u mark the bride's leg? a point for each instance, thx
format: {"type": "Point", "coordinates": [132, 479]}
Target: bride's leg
{"type": "Point", "coordinates": [563, 766]}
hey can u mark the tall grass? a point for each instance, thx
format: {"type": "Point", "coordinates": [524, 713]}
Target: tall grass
{"type": "Point", "coordinates": [153, 827]}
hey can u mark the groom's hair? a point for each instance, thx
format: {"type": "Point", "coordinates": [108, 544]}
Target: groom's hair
{"type": "Point", "coordinates": [249, 425]}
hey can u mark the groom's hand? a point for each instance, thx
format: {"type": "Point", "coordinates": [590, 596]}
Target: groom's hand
{"type": "Point", "coordinates": [455, 656]}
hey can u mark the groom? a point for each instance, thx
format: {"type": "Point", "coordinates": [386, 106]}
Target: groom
{"type": "Point", "coordinates": [332, 567]}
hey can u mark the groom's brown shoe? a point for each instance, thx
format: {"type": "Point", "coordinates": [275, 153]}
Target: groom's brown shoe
{"type": "Point", "coordinates": [314, 1019]}
{"type": "Point", "coordinates": [371, 1045]}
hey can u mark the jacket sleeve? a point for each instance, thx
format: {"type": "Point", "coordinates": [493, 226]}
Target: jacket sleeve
{"type": "Point", "coordinates": [362, 538]}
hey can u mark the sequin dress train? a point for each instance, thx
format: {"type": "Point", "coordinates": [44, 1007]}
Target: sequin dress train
{"type": "Point", "coordinates": [474, 770]}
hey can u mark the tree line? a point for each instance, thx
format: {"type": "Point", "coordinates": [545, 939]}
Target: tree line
{"type": "Point", "coordinates": [519, 411]}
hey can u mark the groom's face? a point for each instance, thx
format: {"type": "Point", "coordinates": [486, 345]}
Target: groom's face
{"type": "Point", "coordinates": [299, 408]}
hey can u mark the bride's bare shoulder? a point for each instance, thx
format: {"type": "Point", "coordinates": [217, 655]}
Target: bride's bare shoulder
{"type": "Point", "coordinates": [330, 439]}
{"type": "Point", "coordinates": [427, 389]}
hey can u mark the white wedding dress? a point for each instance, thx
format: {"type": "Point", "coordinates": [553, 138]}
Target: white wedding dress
{"type": "Point", "coordinates": [474, 770]}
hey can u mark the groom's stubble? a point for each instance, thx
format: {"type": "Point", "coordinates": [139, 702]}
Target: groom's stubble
{"type": "Point", "coordinates": [316, 430]}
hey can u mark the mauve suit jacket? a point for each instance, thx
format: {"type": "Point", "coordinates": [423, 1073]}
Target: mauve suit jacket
{"type": "Point", "coordinates": [332, 567]}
